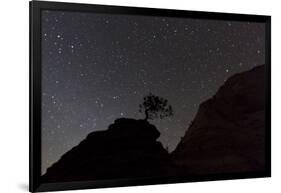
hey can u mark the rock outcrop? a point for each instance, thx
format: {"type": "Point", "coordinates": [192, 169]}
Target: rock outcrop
{"type": "Point", "coordinates": [128, 149]}
{"type": "Point", "coordinates": [226, 136]}
{"type": "Point", "coordinates": [228, 132]}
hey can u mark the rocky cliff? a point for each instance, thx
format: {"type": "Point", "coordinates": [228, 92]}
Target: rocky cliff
{"type": "Point", "coordinates": [228, 132]}
{"type": "Point", "coordinates": [227, 135]}
{"type": "Point", "coordinates": [128, 148]}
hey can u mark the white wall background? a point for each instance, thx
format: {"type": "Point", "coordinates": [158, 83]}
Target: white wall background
{"type": "Point", "coordinates": [14, 73]}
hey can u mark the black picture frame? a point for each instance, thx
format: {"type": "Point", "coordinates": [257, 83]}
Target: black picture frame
{"type": "Point", "coordinates": [35, 93]}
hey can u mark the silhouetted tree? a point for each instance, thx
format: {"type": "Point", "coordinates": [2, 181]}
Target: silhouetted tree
{"type": "Point", "coordinates": [155, 107]}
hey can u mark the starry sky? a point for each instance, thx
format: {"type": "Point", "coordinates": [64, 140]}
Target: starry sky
{"type": "Point", "coordinates": [98, 67]}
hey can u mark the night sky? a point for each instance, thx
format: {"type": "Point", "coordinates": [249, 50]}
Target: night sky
{"type": "Point", "coordinates": [98, 67]}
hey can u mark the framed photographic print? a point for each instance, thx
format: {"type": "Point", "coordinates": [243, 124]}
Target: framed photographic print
{"type": "Point", "coordinates": [123, 96]}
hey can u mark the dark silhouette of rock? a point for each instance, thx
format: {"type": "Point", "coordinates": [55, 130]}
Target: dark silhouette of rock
{"type": "Point", "coordinates": [228, 132]}
{"type": "Point", "coordinates": [128, 149]}
{"type": "Point", "coordinates": [226, 136]}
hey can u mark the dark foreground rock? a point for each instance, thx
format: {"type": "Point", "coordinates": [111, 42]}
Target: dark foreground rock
{"type": "Point", "coordinates": [226, 136]}
{"type": "Point", "coordinates": [128, 149]}
{"type": "Point", "coordinates": [228, 132]}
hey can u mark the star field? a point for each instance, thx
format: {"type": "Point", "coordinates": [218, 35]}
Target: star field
{"type": "Point", "coordinates": [98, 67]}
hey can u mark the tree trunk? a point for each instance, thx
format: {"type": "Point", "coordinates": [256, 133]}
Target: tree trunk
{"type": "Point", "coordinates": [146, 114]}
